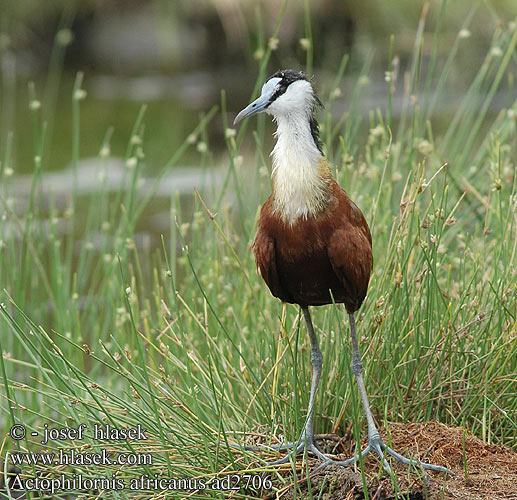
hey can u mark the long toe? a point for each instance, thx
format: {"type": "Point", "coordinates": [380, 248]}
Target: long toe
{"type": "Point", "coordinates": [343, 463]}
{"type": "Point", "coordinates": [278, 447]}
{"type": "Point", "coordinates": [280, 461]}
{"type": "Point", "coordinates": [408, 461]}
{"type": "Point", "coordinates": [262, 447]}
{"type": "Point", "coordinates": [293, 448]}
{"type": "Point", "coordinates": [376, 443]}
{"type": "Point", "coordinates": [312, 447]}
{"type": "Point", "coordinates": [297, 447]}
{"type": "Point", "coordinates": [380, 448]}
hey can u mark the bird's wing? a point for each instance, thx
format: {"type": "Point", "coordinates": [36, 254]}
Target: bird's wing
{"type": "Point", "coordinates": [265, 257]}
{"type": "Point", "coordinates": [350, 254]}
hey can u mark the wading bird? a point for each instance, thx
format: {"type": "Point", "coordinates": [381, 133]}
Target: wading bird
{"type": "Point", "coordinates": [313, 245]}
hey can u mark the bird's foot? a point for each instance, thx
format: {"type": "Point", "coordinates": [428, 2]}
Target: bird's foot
{"type": "Point", "coordinates": [376, 444]}
{"type": "Point", "coordinates": [306, 441]}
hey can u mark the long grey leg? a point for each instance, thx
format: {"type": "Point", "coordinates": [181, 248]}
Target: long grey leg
{"type": "Point", "coordinates": [374, 438]}
{"type": "Point", "coordinates": [307, 441]}
{"type": "Point", "coordinates": [375, 442]}
{"type": "Point", "coordinates": [307, 438]}
{"type": "Point", "coordinates": [317, 364]}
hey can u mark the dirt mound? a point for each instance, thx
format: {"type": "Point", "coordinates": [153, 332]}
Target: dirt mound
{"type": "Point", "coordinates": [481, 471]}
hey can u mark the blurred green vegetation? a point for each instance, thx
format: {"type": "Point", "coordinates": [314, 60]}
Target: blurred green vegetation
{"type": "Point", "coordinates": [168, 120]}
{"type": "Point", "coordinates": [218, 43]}
{"type": "Point", "coordinates": [372, 19]}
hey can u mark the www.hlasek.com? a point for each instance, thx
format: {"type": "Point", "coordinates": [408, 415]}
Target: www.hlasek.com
{"type": "Point", "coordinates": [73, 457]}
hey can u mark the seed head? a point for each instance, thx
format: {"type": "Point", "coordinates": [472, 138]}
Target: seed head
{"type": "Point", "coordinates": [305, 44]}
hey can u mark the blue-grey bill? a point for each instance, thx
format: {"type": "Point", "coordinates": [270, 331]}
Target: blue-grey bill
{"type": "Point", "coordinates": [255, 107]}
{"type": "Point", "coordinates": [261, 103]}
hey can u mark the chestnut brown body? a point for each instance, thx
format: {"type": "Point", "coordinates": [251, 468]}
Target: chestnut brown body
{"type": "Point", "coordinates": [303, 262]}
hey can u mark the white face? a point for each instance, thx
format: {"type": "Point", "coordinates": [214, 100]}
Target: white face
{"type": "Point", "coordinates": [298, 98]}
{"type": "Point", "coordinates": [269, 87]}
{"type": "Point", "coordinates": [296, 102]}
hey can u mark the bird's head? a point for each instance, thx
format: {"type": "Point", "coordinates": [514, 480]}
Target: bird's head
{"type": "Point", "coordinates": [286, 93]}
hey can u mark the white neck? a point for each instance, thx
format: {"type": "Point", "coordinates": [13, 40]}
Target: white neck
{"type": "Point", "coordinates": [299, 188]}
